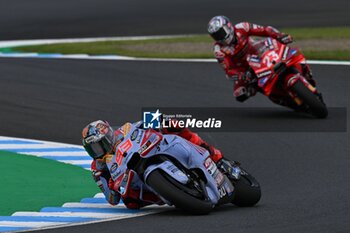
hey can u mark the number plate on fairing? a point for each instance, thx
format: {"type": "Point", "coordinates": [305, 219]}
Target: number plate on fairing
{"type": "Point", "coordinates": [223, 184]}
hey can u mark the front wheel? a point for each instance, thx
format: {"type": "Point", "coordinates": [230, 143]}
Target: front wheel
{"type": "Point", "coordinates": [313, 102]}
{"type": "Point", "coordinates": [183, 197]}
{"type": "Point", "coordinates": [247, 190]}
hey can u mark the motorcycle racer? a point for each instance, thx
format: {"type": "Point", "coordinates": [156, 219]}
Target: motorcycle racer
{"type": "Point", "coordinates": [233, 45]}
{"type": "Point", "coordinates": [100, 141]}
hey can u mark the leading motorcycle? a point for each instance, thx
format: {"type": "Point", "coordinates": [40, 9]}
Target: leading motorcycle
{"type": "Point", "coordinates": [179, 172]}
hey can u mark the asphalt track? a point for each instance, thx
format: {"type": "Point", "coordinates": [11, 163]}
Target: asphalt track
{"type": "Point", "coordinates": [41, 19]}
{"type": "Point", "coordinates": [304, 176]}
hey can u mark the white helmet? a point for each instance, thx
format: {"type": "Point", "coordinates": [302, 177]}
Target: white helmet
{"type": "Point", "coordinates": [221, 29]}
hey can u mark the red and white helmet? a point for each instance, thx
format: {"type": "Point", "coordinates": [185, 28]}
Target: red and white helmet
{"type": "Point", "coordinates": [222, 30]}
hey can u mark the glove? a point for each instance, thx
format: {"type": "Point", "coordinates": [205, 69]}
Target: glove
{"type": "Point", "coordinates": [247, 77]}
{"type": "Point", "coordinates": [96, 175]}
{"type": "Point", "coordinates": [285, 38]}
{"type": "Point", "coordinates": [243, 93]}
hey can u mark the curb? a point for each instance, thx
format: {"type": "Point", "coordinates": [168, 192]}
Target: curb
{"type": "Point", "coordinates": [87, 211]}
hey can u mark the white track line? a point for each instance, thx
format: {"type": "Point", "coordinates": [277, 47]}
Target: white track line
{"type": "Point", "coordinates": [122, 58]}
{"type": "Point", "coordinates": [99, 195]}
{"type": "Point", "coordinates": [125, 216]}
{"type": "Point", "coordinates": [92, 205]}
{"type": "Point", "coordinates": [29, 224]}
{"type": "Point", "coordinates": [15, 43]}
{"type": "Point", "coordinates": [59, 153]}
{"type": "Point", "coordinates": [57, 144]}
{"type": "Point", "coordinates": [76, 162]}
{"type": "Point", "coordinates": [70, 214]}
{"type": "Point", "coordinates": [28, 146]}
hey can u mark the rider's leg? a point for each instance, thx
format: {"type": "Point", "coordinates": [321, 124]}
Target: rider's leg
{"type": "Point", "coordinates": [231, 168]}
{"type": "Point", "coordinates": [187, 134]}
{"type": "Point", "coordinates": [307, 73]}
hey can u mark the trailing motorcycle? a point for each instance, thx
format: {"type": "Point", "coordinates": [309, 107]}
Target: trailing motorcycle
{"type": "Point", "coordinates": [179, 172]}
{"type": "Point", "coordinates": [279, 72]}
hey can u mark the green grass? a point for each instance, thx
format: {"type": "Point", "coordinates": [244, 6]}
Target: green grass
{"type": "Point", "coordinates": [125, 48]}
{"type": "Point", "coordinates": [29, 183]}
{"type": "Point", "coordinates": [319, 33]}
{"type": "Point", "coordinates": [119, 48]}
{"type": "Point", "coordinates": [339, 55]}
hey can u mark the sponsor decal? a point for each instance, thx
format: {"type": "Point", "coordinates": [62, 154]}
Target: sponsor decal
{"type": "Point", "coordinates": [152, 141]}
{"type": "Point", "coordinates": [285, 53]}
{"type": "Point", "coordinates": [265, 73]}
{"type": "Point", "coordinates": [134, 134]}
{"type": "Point", "coordinates": [255, 59]}
{"type": "Point", "coordinates": [144, 147]}
{"type": "Point", "coordinates": [219, 177]}
{"type": "Point", "coordinates": [208, 162]}
{"type": "Point", "coordinates": [211, 167]}
{"type": "Point", "coordinates": [116, 175]}
{"type": "Point", "coordinates": [90, 139]}
{"type": "Point", "coordinates": [123, 184]}
{"type": "Point", "coordinates": [102, 128]}
{"type": "Point", "coordinates": [222, 191]}
{"type": "Point", "coordinates": [138, 140]}
{"type": "Point", "coordinates": [114, 167]}
{"type": "Point", "coordinates": [269, 41]}
{"type": "Point", "coordinates": [262, 81]}
{"type": "Point", "coordinates": [292, 52]}
{"type": "Point", "coordinates": [125, 129]}
{"type": "Point", "coordinates": [229, 187]}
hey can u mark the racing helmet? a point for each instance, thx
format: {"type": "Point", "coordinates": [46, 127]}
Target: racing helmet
{"type": "Point", "coordinates": [100, 139]}
{"type": "Point", "coordinates": [221, 30]}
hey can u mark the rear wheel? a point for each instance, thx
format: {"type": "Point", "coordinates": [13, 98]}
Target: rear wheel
{"type": "Point", "coordinates": [313, 102]}
{"type": "Point", "coordinates": [247, 190]}
{"type": "Point", "coordinates": [190, 199]}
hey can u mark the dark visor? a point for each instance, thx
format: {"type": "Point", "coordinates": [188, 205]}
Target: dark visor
{"type": "Point", "coordinates": [220, 35]}
{"type": "Point", "coordinates": [98, 149]}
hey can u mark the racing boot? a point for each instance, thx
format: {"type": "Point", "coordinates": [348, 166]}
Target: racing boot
{"type": "Point", "coordinates": [307, 73]}
{"type": "Point", "coordinates": [229, 168]}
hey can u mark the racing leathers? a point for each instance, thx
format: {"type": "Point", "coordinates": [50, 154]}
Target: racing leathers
{"type": "Point", "coordinates": [233, 57]}
{"type": "Point", "coordinates": [132, 196]}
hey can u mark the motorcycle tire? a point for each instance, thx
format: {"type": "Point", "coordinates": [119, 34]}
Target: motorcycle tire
{"type": "Point", "coordinates": [171, 190]}
{"type": "Point", "coordinates": [315, 104]}
{"type": "Point", "coordinates": [247, 190]}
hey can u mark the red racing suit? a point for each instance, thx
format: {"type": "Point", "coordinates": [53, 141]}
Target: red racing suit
{"type": "Point", "coordinates": [233, 58]}
{"type": "Point", "coordinates": [134, 198]}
